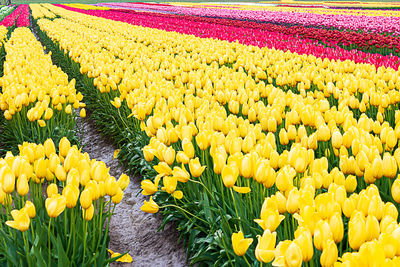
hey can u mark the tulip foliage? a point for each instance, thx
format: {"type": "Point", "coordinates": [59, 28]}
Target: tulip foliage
{"type": "Point", "coordinates": [258, 155]}
{"type": "Point", "coordinates": [57, 206]}
{"type": "Point", "coordinates": [37, 99]}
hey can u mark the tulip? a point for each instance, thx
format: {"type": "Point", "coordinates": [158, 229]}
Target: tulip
{"type": "Point", "coordinates": [181, 174]}
{"type": "Point", "coordinates": [150, 206]}
{"type": "Point", "coordinates": [111, 186]}
{"type": "Point", "coordinates": [8, 179]}
{"type": "Point", "coordinates": [55, 205]}
{"type": "Point", "coordinates": [337, 227]}
{"type": "Point", "coordinates": [52, 190]}
{"type": "Point", "coordinates": [20, 221]}
{"type": "Point", "coordinates": [188, 147]}
{"type": "Point", "coordinates": [195, 167]}
{"type": "Point", "coordinates": [30, 209]}
{"type": "Point", "coordinates": [265, 247]}
{"type": "Point", "coordinates": [71, 194]}
{"type": "Point", "coordinates": [240, 244]}
{"type": "Point", "coordinates": [49, 147]}
{"type": "Point", "coordinates": [86, 199]}
{"type": "Point", "coordinates": [82, 113]}
{"type": "Point", "coordinates": [118, 196]}
{"type": "Point", "coordinates": [270, 219]}
{"type": "Point", "coordinates": [123, 181]}
{"type": "Point", "coordinates": [22, 185]}
{"type": "Point", "coordinates": [303, 239]}
{"type": "Point", "coordinates": [64, 146]}
{"type": "Point", "coordinates": [357, 233]}
{"type": "Point", "coordinates": [229, 175]}
{"type": "Point", "coordinates": [329, 254]}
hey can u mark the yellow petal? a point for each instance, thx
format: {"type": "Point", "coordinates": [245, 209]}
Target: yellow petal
{"type": "Point", "coordinates": [242, 190]}
{"type": "Point", "coordinates": [116, 152]}
{"type": "Point", "coordinates": [178, 194]}
{"type": "Point", "coordinates": [125, 258]}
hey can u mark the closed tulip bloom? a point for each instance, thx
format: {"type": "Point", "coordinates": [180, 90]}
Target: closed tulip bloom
{"type": "Point", "coordinates": [41, 168]}
{"type": "Point", "coordinates": [396, 190]}
{"type": "Point", "coordinates": [123, 181]}
{"type": "Point", "coordinates": [71, 194]}
{"type": "Point", "coordinates": [87, 214]}
{"type": "Point", "coordinates": [337, 139]}
{"type": "Point", "coordinates": [82, 113]}
{"type": "Point", "coordinates": [229, 175]}
{"type": "Point", "coordinates": [181, 174]}
{"type": "Point", "coordinates": [22, 185]}
{"type": "Point", "coordinates": [52, 189]}
{"type": "Point", "coordinates": [195, 167]}
{"type": "Point", "coordinates": [148, 153]}
{"type": "Point", "coordinates": [64, 147]}
{"type": "Point", "coordinates": [49, 147]}
{"type": "Point", "coordinates": [337, 227]}
{"type": "Point", "coordinates": [20, 221]}
{"type": "Point", "coordinates": [30, 209]}
{"type": "Point", "coordinates": [169, 155]}
{"type": "Point", "coordinates": [322, 232]}
{"type": "Point", "coordinates": [85, 199]}
{"type": "Point", "coordinates": [118, 196]}
{"type": "Point", "coordinates": [357, 231]}
{"type": "Point", "coordinates": [240, 244]}
{"type": "Point", "coordinates": [8, 178]}
{"type": "Point", "coordinates": [329, 254]}
{"type": "Point", "coordinates": [372, 228]}
{"type": "Point", "coordinates": [202, 141]}
{"type": "Point", "coordinates": [266, 246]}
{"type": "Point", "coordinates": [246, 166]}
{"type": "Point", "coordinates": [55, 205]}
{"type": "Point", "coordinates": [303, 239]}
{"type": "Point", "coordinates": [293, 255]}
{"type": "Point", "coordinates": [219, 163]}
{"type": "Point", "coordinates": [188, 147]}
{"type": "Point", "coordinates": [60, 173]}
{"type": "Point", "coordinates": [111, 186]}
{"type": "Point", "coordinates": [389, 166]}
{"type": "Point", "coordinates": [170, 184]}
{"type": "Point", "coordinates": [150, 206]}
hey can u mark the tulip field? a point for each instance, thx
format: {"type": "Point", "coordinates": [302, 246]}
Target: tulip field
{"type": "Point", "coordinates": [267, 134]}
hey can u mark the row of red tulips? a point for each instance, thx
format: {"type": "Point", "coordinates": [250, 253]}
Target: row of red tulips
{"type": "Point", "coordinates": [368, 42]}
{"type": "Point", "coordinates": [245, 35]}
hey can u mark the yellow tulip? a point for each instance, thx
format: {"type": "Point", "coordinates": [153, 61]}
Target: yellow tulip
{"type": "Point", "coordinates": [30, 209]}
{"type": "Point", "coordinates": [195, 167]}
{"type": "Point", "coordinates": [8, 179]}
{"type": "Point", "coordinates": [123, 181]}
{"type": "Point", "coordinates": [88, 213]}
{"type": "Point", "coordinates": [265, 247]}
{"type": "Point", "coordinates": [181, 174]}
{"type": "Point", "coordinates": [111, 186]}
{"type": "Point", "coordinates": [240, 244]}
{"type": "Point", "coordinates": [22, 185]}
{"type": "Point", "coordinates": [49, 147]}
{"type": "Point", "coordinates": [329, 254]}
{"type": "Point", "coordinates": [118, 196]}
{"type": "Point", "coordinates": [229, 175]}
{"type": "Point", "coordinates": [64, 146]}
{"type": "Point", "coordinates": [20, 221]}
{"type": "Point", "coordinates": [150, 206]}
{"type": "Point", "coordinates": [82, 113]}
{"type": "Point", "coordinates": [86, 199]}
{"type": "Point", "coordinates": [55, 205]}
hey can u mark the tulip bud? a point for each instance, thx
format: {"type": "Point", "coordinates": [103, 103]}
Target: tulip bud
{"type": "Point", "coordinates": [123, 181]}
{"type": "Point", "coordinates": [64, 146]}
{"type": "Point", "coordinates": [30, 208]}
{"type": "Point", "coordinates": [88, 213]}
{"type": "Point", "coordinates": [86, 199]}
{"type": "Point", "coordinates": [329, 254]}
{"type": "Point", "coordinates": [22, 185]}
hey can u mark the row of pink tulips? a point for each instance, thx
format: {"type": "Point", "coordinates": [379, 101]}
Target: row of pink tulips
{"type": "Point", "coordinates": [248, 36]}
{"type": "Point", "coordinates": [342, 21]}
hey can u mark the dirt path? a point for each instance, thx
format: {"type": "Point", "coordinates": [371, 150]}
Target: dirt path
{"type": "Point", "coordinates": [131, 229]}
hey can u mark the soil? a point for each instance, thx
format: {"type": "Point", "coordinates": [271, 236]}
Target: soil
{"type": "Point", "coordinates": [131, 229]}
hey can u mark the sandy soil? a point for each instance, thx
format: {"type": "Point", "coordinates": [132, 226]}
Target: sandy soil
{"type": "Point", "coordinates": [131, 229]}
